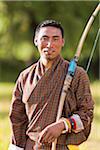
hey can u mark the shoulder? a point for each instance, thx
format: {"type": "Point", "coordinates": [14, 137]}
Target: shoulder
{"type": "Point", "coordinates": [24, 74]}
{"type": "Point", "coordinates": [79, 70]}
{"type": "Point", "coordinates": [80, 78]}
{"type": "Point", "coordinates": [29, 69]}
{"type": "Point", "coordinates": [80, 73]}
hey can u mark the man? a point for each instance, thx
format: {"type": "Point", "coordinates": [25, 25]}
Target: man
{"type": "Point", "coordinates": [37, 93]}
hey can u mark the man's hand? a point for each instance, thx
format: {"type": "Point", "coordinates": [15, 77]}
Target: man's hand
{"type": "Point", "coordinates": [37, 146]}
{"type": "Point", "coordinates": [51, 132]}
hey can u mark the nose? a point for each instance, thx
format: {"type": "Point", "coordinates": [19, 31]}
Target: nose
{"type": "Point", "coordinates": [49, 44]}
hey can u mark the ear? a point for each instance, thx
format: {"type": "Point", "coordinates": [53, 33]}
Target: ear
{"type": "Point", "coordinates": [35, 42]}
{"type": "Point", "coordinates": [63, 42]}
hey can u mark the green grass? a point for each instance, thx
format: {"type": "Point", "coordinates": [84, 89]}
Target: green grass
{"type": "Point", "coordinates": [6, 89]}
{"type": "Point", "coordinates": [5, 98]}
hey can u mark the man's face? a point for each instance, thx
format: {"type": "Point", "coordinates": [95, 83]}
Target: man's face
{"type": "Point", "coordinates": [49, 42]}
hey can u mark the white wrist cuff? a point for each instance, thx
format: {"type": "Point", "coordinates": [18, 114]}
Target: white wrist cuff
{"type": "Point", "coordinates": [79, 124]}
{"type": "Point", "coordinates": [14, 147]}
{"type": "Point", "coordinates": [66, 126]}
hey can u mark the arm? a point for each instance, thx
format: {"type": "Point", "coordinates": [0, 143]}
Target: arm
{"type": "Point", "coordinates": [85, 104]}
{"type": "Point", "coordinates": [82, 117]}
{"type": "Point", "coordinates": [18, 118]}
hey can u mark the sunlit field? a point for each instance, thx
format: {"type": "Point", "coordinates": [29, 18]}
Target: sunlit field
{"type": "Point", "coordinates": [92, 143]}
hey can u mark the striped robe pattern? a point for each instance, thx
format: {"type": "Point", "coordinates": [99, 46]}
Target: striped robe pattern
{"type": "Point", "coordinates": [36, 98]}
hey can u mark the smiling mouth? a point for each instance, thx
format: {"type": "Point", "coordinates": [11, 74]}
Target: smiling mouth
{"type": "Point", "coordinates": [49, 51]}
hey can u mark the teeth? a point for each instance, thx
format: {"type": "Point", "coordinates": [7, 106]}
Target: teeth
{"type": "Point", "coordinates": [48, 50]}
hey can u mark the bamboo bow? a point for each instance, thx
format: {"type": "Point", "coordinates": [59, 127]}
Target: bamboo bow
{"type": "Point", "coordinates": [72, 67]}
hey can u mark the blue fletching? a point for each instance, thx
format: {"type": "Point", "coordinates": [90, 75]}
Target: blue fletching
{"type": "Point", "coordinates": [72, 67]}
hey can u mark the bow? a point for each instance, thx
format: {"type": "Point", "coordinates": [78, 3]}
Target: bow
{"type": "Point", "coordinates": [72, 68]}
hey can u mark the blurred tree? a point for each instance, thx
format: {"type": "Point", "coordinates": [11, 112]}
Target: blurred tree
{"type": "Point", "coordinates": [19, 19]}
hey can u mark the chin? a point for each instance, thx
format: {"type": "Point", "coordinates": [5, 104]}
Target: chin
{"type": "Point", "coordinates": [50, 58]}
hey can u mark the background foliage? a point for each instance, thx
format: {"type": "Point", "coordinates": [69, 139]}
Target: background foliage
{"type": "Point", "coordinates": [18, 20]}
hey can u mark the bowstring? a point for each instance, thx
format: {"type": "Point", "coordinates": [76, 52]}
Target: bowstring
{"type": "Point", "coordinates": [93, 49]}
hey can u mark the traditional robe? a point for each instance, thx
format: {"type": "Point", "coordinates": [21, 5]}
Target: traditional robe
{"type": "Point", "coordinates": [36, 98]}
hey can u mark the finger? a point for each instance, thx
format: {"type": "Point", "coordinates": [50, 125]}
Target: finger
{"type": "Point", "coordinates": [51, 140]}
{"type": "Point", "coordinates": [51, 137]}
{"type": "Point", "coordinates": [46, 137]}
{"type": "Point", "coordinates": [32, 137]}
{"type": "Point", "coordinates": [41, 136]}
{"type": "Point", "coordinates": [37, 146]}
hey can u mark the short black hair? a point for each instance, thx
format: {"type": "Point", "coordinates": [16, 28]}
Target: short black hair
{"type": "Point", "coordinates": [51, 23]}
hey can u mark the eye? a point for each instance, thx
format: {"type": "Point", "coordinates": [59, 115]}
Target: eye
{"type": "Point", "coordinates": [44, 38]}
{"type": "Point", "coordinates": [55, 38]}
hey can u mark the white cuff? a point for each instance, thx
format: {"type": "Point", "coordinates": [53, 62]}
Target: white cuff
{"type": "Point", "coordinates": [79, 123]}
{"type": "Point", "coordinates": [14, 147]}
{"type": "Point", "coordinates": [66, 126]}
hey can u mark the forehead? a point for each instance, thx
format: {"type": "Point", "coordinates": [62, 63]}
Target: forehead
{"type": "Point", "coordinates": [49, 31]}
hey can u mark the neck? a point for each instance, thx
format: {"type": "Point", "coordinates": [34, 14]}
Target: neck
{"type": "Point", "coordinates": [46, 62]}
